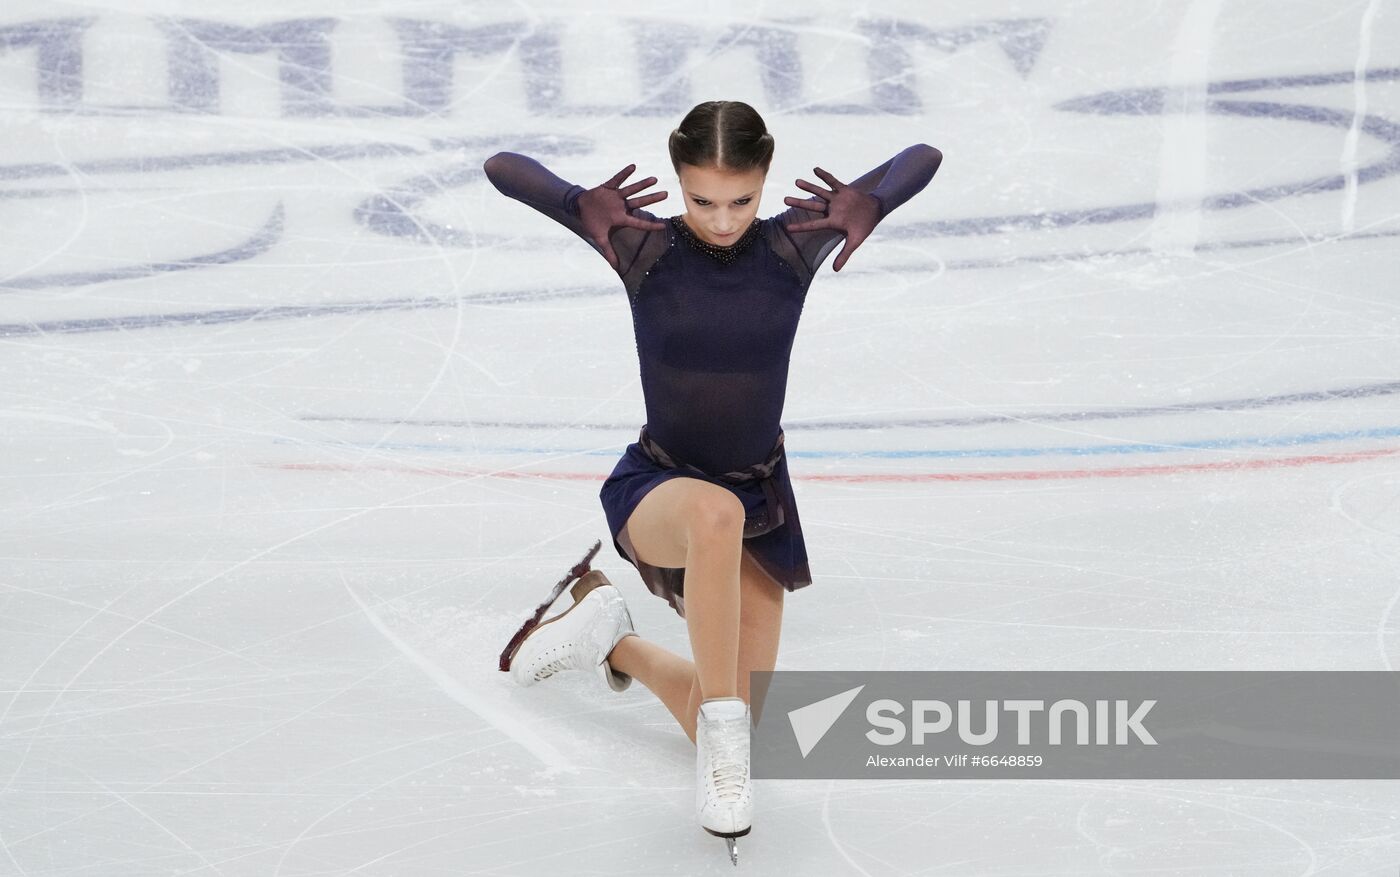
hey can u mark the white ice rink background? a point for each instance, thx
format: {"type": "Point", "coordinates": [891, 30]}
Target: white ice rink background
{"type": "Point", "coordinates": [299, 416]}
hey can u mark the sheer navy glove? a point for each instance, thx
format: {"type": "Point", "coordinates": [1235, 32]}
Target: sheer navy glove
{"type": "Point", "coordinates": [843, 208]}
{"type": "Point", "coordinates": [607, 206]}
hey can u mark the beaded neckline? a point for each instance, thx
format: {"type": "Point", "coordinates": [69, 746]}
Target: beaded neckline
{"type": "Point", "coordinates": [725, 254]}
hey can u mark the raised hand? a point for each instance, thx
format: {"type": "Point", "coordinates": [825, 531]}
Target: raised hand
{"type": "Point", "coordinates": [842, 207]}
{"type": "Point", "coordinates": [606, 207]}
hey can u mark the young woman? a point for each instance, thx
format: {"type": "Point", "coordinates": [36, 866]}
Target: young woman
{"type": "Point", "coordinates": [701, 504]}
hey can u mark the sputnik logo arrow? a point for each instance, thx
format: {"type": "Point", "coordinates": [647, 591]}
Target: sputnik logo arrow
{"type": "Point", "coordinates": [811, 722]}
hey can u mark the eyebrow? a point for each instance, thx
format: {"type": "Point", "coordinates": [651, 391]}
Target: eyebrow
{"type": "Point", "coordinates": [703, 198]}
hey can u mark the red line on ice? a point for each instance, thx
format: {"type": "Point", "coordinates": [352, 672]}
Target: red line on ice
{"type": "Point", "coordinates": [875, 477]}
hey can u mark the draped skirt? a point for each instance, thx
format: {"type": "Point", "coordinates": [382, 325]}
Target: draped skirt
{"type": "Point", "coordinates": [772, 529]}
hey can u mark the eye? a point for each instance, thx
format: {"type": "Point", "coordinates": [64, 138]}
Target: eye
{"type": "Point", "coordinates": [743, 201]}
{"type": "Point", "coordinates": [701, 201]}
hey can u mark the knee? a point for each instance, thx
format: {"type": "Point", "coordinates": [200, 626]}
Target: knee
{"type": "Point", "coordinates": [716, 517]}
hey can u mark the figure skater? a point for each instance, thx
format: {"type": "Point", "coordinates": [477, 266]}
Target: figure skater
{"type": "Point", "coordinates": [702, 504]}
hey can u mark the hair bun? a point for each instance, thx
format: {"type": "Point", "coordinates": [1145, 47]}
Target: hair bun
{"type": "Point", "coordinates": [728, 134]}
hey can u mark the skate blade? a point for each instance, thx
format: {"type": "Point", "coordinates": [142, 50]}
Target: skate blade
{"type": "Point", "coordinates": [733, 851]}
{"type": "Point", "coordinates": [729, 834]}
{"type": "Point", "coordinates": [578, 571]}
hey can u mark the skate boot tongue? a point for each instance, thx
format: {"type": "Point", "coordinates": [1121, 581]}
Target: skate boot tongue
{"type": "Point", "coordinates": [723, 708]}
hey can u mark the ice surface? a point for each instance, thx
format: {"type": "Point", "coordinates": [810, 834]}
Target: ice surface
{"type": "Point", "coordinates": [299, 417]}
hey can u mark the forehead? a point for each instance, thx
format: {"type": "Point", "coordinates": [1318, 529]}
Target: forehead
{"type": "Point", "coordinates": [712, 183]}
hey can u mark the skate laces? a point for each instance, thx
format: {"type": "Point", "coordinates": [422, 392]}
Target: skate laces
{"type": "Point", "coordinates": [572, 659]}
{"type": "Point", "coordinates": [565, 663]}
{"type": "Point", "coordinates": [729, 765]}
{"type": "Point", "coordinates": [576, 658]}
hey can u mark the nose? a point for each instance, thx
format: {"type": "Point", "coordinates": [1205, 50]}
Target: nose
{"type": "Point", "coordinates": [728, 228]}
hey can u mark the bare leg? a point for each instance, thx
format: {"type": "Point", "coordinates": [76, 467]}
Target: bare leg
{"type": "Point", "coordinates": [666, 674]}
{"type": "Point", "coordinates": [760, 625]}
{"type": "Point", "coordinates": [712, 599]}
{"type": "Point", "coordinates": [699, 526]}
{"type": "Point", "coordinates": [673, 679]}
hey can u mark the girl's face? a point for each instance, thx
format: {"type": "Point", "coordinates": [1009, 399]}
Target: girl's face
{"type": "Point", "coordinates": [720, 204]}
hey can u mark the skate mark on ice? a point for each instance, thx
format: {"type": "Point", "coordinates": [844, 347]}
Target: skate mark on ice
{"type": "Point", "coordinates": [513, 725]}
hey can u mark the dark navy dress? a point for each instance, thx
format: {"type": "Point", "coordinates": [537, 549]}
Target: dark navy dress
{"type": "Point", "coordinates": [714, 334]}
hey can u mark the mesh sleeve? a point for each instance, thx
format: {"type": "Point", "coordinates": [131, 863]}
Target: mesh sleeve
{"type": "Point", "coordinates": [892, 183]}
{"type": "Point", "coordinates": [529, 182]}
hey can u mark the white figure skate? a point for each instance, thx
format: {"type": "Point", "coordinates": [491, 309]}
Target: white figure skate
{"type": "Point", "coordinates": [723, 788]}
{"type": "Point", "coordinates": [579, 638]}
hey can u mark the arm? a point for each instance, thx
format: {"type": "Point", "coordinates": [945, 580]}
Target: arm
{"type": "Point", "coordinates": [529, 182]}
{"type": "Point", "coordinates": [603, 216]}
{"type": "Point", "coordinates": [852, 211]}
{"type": "Point", "coordinates": [902, 177]}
